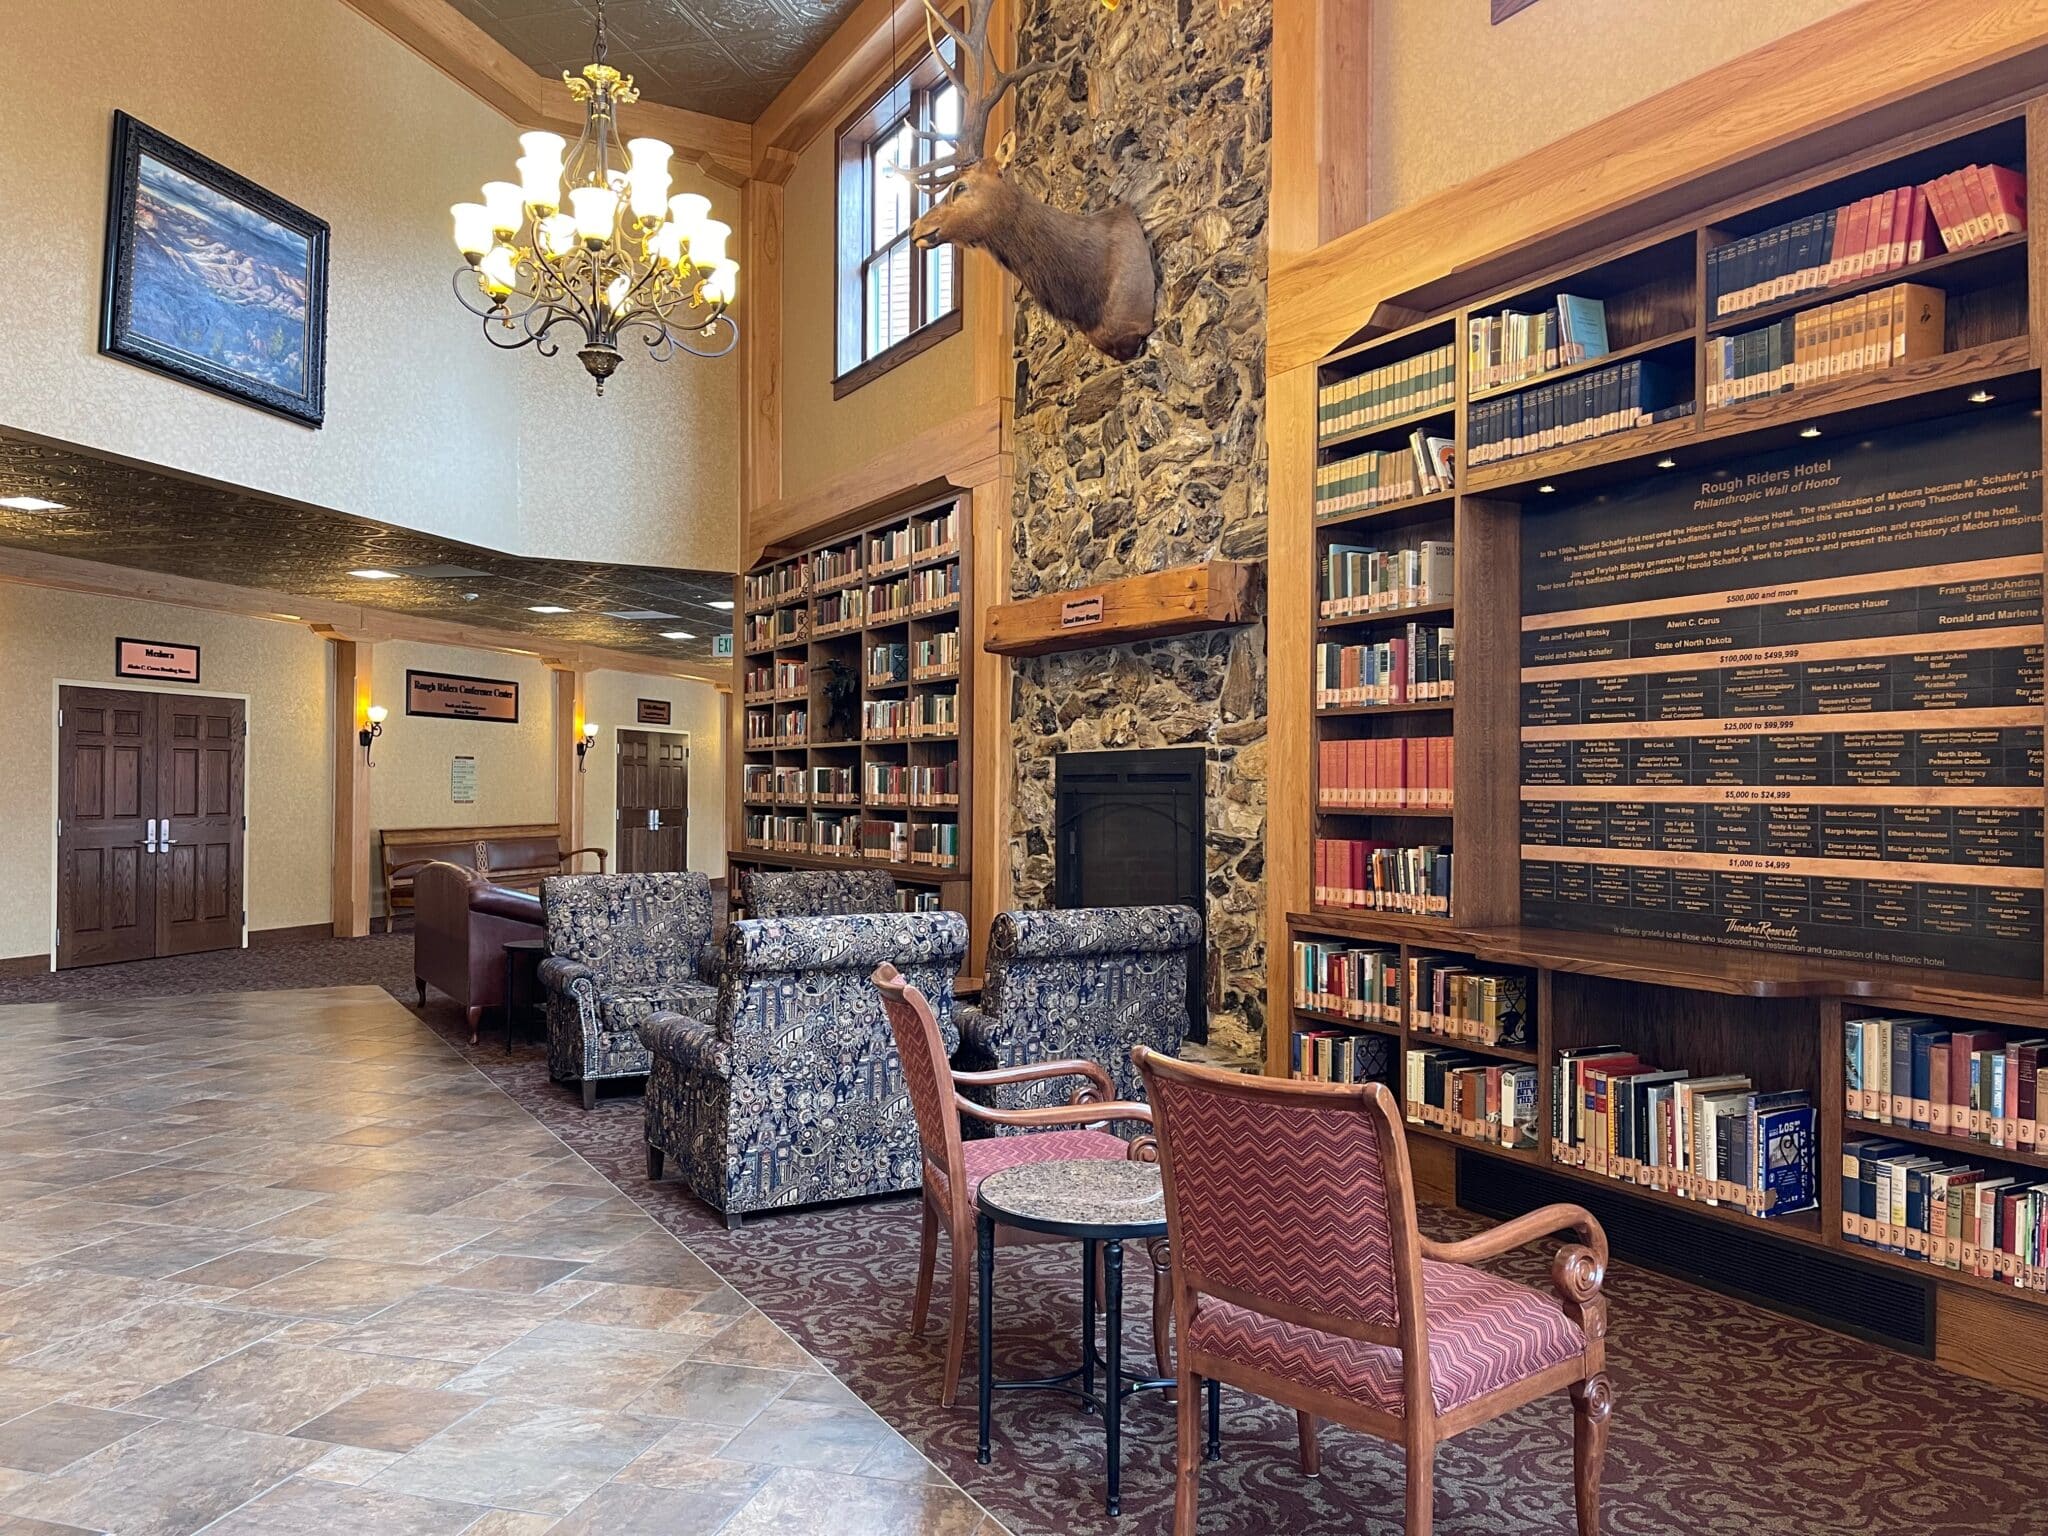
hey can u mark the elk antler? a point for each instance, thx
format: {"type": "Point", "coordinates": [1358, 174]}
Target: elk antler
{"type": "Point", "coordinates": [982, 84]}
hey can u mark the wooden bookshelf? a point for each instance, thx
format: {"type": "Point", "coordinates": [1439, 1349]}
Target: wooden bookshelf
{"type": "Point", "coordinates": [857, 567]}
{"type": "Point", "coordinates": [1680, 1003]}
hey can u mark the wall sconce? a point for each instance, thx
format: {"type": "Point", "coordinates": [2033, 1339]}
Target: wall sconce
{"type": "Point", "coordinates": [583, 747]}
{"type": "Point", "coordinates": [369, 733]}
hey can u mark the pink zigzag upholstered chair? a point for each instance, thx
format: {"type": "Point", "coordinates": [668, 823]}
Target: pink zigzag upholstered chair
{"type": "Point", "coordinates": [1299, 1274]}
{"type": "Point", "coordinates": [954, 1169]}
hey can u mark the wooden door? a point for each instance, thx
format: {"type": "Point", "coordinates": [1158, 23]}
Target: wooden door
{"type": "Point", "coordinates": [654, 801]}
{"type": "Point", "coordinates": [199, 808]}
{"type": "Point", "coordinates": [106, 800]}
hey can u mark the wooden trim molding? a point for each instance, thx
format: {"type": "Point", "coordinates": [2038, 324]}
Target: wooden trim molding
{"type": "Point", "coordinates": [916, 344]}
{"type": "Point", "coordinates": [349, 896]}
{"type": "Point", "coordinates": [875, 39]}
{"type": "Point", "coordinates": [1216, 594]}
{"type": "Point", "coordinates": [1873, 71]}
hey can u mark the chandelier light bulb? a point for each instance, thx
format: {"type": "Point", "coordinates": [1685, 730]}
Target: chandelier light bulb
{"type": "Point", "coordinates": [540, 184]}
{"type": "Point", "coordinates": [473, 235]}
{"type": "Point", "coordinates": [615, 293]}
{"type": "Point", "coordinates": [707, 243]}
{"type": "Point", "coordinates": [499, 271]}
{"type": "Point", "coordinates": [545, 150]}
{"type": "Point", "coordinates": [689, 211]}
{"type": "Point", "coordinates": [596, 210]}
{"type": "Point", "coordinates": [723, 285]}
{"type": "Point", "coordinates": [555, 235]}
{"type": "Point", "coordinates": [647, 178]}
{"type": "Point", "coordinates": [507, 204]}
{"type": "Point", "coordinates": [666, 245]}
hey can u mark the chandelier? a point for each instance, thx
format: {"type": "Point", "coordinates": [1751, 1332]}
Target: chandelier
{"type": "Point", "coordinates": [589, 238]}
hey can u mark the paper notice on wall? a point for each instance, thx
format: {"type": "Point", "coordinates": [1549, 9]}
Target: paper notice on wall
{"type": "Point", "coordinates": [462, 781]}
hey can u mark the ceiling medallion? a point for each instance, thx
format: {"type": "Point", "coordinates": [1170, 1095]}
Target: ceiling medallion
{"type": "Point", "coordinates": [623, 257]}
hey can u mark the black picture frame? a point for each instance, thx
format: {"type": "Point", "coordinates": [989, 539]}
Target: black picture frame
{"type": "Point", "coordinates": [120, 336]}
{"type": "Point", "coordinates": [460, 677]}
{"type": "Point", "coordinates": [122, 669]}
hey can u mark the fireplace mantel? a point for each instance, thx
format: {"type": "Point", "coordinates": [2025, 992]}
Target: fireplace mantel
{"type": "Point", "coordinates": [1182, 600]}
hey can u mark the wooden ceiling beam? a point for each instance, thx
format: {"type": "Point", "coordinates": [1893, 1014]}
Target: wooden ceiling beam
{"type": "Point", "coordinates": [872, 39]}
{"type": "Point", "coordinates": [490, 71]}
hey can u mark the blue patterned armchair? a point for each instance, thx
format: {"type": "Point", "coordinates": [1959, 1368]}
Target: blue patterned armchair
{"type": "Point", "coordinates": [815, 892]}
{"type": "Point", "coordinates": [621, 948]}
{"type": "Point", "coordinates": [1086, 983]}
{"type": "Point", "coordinates": [793, 1092]}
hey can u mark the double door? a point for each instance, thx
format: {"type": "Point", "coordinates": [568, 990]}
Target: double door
{"type": "Point", "coordinates": [150, 824]}
{"type": "Point", "coordinates": [654, 802]}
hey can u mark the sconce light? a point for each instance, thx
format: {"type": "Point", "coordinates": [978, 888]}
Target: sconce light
{"type": "Point", "coordinates": [369, 733]}
{"type": "Point", "coordinates": [583, 747]}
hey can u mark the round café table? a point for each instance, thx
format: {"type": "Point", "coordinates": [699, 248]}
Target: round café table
{"type": "Point", "coordinates": [1095, 1201]}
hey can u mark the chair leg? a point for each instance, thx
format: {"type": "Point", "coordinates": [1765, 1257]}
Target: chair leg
{"type": "Point", "coordinates": [1187, 1477]}
{"type": "Point", "coordinates": [423, 990]}
{"type": "Point", "coordinates": [927, 1261]}
{"type": "Point", "coordinates": [1592, 1406]}
{"type": "Point", "coordinates": [653, 1161]}
{"type": "Point", "coordinates": [474, 1016]}
{"type": "Point", "coordinates": [1311, 1446]}
{"type": "Point", "coordinates": [1421, 1490]}
{"type": "Point", "coordinates": [590, 1093]}
{"type": "Point", "coordinates": [956, 1321]}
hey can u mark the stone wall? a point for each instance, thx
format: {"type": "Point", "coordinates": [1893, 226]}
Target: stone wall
{"type": "Point", "coordinates": [1126, 468]}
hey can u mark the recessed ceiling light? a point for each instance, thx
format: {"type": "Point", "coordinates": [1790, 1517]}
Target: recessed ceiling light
{"type": "Point", "coordinates": [546, 608]}
{"type": "Point", "coordinates": [1809, 431]}
{"type": "Point", "coordinates": [646, 615]}
{"type": "Point", "coordinates": [371, 573]}
{"type": "Point", "coordinates": [31, 504]}
{"type": "Point", "coordinates": [677, 634]}
{"type": "Point", "coordinates": [1667, 463]}
{"type": "Point", "coordinates": [1546, 488]}
{"type": "Point", "coordinates": [724, 605]}
{"type": "Point", "coordinates": [1982, 397]}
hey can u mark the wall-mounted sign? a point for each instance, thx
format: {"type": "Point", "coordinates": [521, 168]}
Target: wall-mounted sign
{"type": "Point", "coordinates": [653, 712]}
{"type": "Point", "coordinates": [158, 659]}
{"type": "Point", "coordinates": [462, 781]}
{"type": "Point", "coordinates": [454, 697]}
{"type": "Point", "coordinates": [1076, 612]}
{"type": "Point", "coordinates": [721, 645]}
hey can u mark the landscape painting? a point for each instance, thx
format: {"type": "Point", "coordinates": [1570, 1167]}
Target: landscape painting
{"type": "Point", "coordinates": [212, 279]}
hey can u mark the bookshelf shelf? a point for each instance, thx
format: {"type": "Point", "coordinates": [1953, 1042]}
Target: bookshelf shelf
{"type": "Point", "coordinates": [1388, 616]}
{"type": "Point", "coordinates": [1394, 426]}
{"type": "Point", "coordinates": [1395, 514]}
{"type": "Point", "coordinates": [1974, 266]}
{"type": "Point", "coordinates": [1800, 1227]}
{"type": "Point", "coordinates": [1669, 340]}
{"type": "Point", "coordinates": [1962, 1146]}
{"type": "Point", "coordinates": [1477, 1048]}
{"type": "Point", "coordinates": [1355, 711]}
{"type": "Point", "coordinates": [1936, 1272]}
{"type": "Point", "coordinates": [1437, 812]}
{"type": "Point", "coordinates": [1345, 1021]}
{"type": "Point", "coordinates": [1528, 1155]}
{"type": "Point", "coordinates": [1534, 469]}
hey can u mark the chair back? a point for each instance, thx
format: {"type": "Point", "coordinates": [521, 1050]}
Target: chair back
{"type": "Point", "coordinates": [633, 930]}
{"type": "Point", "coordinates": [816, 892]}
{"type": "Point", "coordinates": [1291, 1199]}
{"type": "Point", "coordinates": [927, 1074]}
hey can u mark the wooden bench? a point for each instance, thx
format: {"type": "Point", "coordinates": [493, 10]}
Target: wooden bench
{"type": "Point", "coordinates": [519, 857]}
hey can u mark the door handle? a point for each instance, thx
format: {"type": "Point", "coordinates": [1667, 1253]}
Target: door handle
{"type": "Point", "coordinates": [654, 821]}
{"type": "Point", "coordinates": [149, 839]}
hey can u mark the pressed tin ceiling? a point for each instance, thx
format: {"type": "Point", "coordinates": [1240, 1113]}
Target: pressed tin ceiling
{"type": "Point", "coordinates": [129, 515]}
{"type": "Point", "coordinates": [726, 57]}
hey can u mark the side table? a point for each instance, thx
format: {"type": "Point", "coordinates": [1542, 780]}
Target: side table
{"type": "Point", "coordinates": [522, 963]}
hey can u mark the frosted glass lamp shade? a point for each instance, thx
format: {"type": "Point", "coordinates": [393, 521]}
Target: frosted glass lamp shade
{"type": "Point", "coordinates": [667, 245]}
{"type": "Point", "coordinates": [596, 209]}
{"type": "Point", "coordinates": [500, 271]}
{"type": "Point", "coordinates": [376, 714]}
{"type": "Point", "coordinates": [506, 201]}
{"type": "Point", "coordinates": [689, 211]}
{"type": "Point", "coordinates": [540, 183]}
{"type": "Point", "coordinates": [723, 285]}
{"type": "Point", "coordinates": [707, 243]}
{"type": "Point", "coordinates": [647, 178]}
{"type": "Point", "coordinates": [556, 235]}
{"type": "Point", "coordinates": [473, 234]}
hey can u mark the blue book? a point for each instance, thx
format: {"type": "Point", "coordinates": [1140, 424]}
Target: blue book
{"type": "Point", "coordinates": [1924, 1041]}
{"type": "Point", "coordinates": [1786, 1151]}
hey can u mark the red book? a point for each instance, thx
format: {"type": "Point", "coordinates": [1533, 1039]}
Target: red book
{"type": "Point", "coordinates": [1941, 198]}
{"type": "Point", "coordinates": [1878, 242]}
{"type": "Point", "coordinates": [1962, 1045]}
{"type": "Point", "coordinates": [1855, 228]}
{"type": "Point", "coordinates": [1923, 239]}
{"type": "Point", "coordinates": [1979, 203]}
{"type": "Point", "coordinates": [2007, 190]}
{"type": "Point", "coordinates": [1902, 218]}
{"type": "Point", "coordinates": [1838, 253]}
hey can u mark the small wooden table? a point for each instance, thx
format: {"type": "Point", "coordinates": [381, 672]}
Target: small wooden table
{"type": "Point", "coordinates": [1094, 1201]}
{"type": "Point", "coordinates": [522, 959]}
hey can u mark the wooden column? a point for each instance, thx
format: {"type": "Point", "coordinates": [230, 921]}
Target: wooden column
{"type": "Point", "coordinates": [349, 903]}
{"type": "Point", "coordinates": [1322, 75]}
{"type": "Point", "coordinates": [569, 784]}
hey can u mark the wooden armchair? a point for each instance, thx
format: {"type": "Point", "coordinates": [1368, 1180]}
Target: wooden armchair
{"type": "Point", "coordinates": [1299, 1274]}
{"type": "Point", "coordinates": [954, 1169]}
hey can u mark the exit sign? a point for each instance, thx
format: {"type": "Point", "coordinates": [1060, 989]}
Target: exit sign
{"type": "Point", "coordinates": [721, 645]}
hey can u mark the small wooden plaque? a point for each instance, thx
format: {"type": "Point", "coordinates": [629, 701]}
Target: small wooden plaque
{"type": "Point", "coordinates": [451, 696]}
{"type": "Point", "coordinates": [160, 660]}
{"type": "Point", "coordinates": [1077, 611]}
{"type": "Point", "coordinates": [653, 712]}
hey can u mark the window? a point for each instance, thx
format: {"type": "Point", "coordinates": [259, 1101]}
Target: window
{"type": "Point", "coordinates": [894, 300]}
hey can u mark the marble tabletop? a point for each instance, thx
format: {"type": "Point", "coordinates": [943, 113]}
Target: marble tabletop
{"type": "Point", "coordinates": [1116, 1197]}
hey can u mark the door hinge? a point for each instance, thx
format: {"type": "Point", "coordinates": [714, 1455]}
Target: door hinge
{"type": "Point", "coordinates": [60, 719]}
{"type": "Point", "coordinates": [60, 826]}
{"type": "Point", "coordinates": [245, 823]}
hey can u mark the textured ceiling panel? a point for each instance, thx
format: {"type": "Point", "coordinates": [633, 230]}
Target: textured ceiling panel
{"type": "Point", "coordinates": [726, 57]}
{"type": "Point", "coordinates": [121, 514]}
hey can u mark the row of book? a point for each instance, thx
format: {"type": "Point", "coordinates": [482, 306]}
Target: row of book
{"type": "Point", "coordinates": [1364, 578]}
{"type": "Point", "coordinates": [841, 610]}
{"type": "Point", "coordinates": [888, 600]}
{"type": "Point", "coordinates": [940, 653]}
{"type": "Point", "coordinates": [1416, 383]}
{"type": "Point", "coordinates": [1515, 346]}
{"type": "Point", "coordinates": [1974, 1084]}
{"type": "Point", "coordinates": [836, 565]}
{"type": "Point", "coordinates": [829, 783]}
{"type": "Point", "coordinates": [888, 662]}
{"type": "Point", "coordinates": [929, 714]}
{"type": "Point", "coordinates": [778, 626]}
{"type": "Point", "coordinates": [1880, 329]}
{"type": "Point", "coordinates": [785, 727]}
{"type": "Point", "coordinates": [1469, 1096]}
{"type": "Point", "coordinates": [910, 899]}
{"type": "Point", "coordinates": [1961, 1216]}
{"type": "Point", "coordinates": [1885, 232]}
{"type": "Point", "coordinates": [936, 586]}
{"type": "Point", "coordinates": [1450, 996]}
{"type": "Point", "coordinates": [887, 547]}
{"type": "Point", "coordinates": [760, 781]}
{"type": "Point", "coordinates": [912, 783]}
{"type": "Point", "coordinates": [936, 534]}
{"type": "Point", "coordinates": [1417, 666]}
{"type": "Point", "coordinates": [1718, 1139]}
{"type": "Point", "coordinates": [1380, 477]}
{"type": "Point", "coordinates": [781, 677]}
{"type": "Point", "coordinates": [779, 583]}
{"type": "Point", "coordinates": [781, 834]}
{"type": "Point", "coordinates": [1339, 1056]}
{"type": "Point", "coordinates": [1358, 981]}
{"type": "Point", "coordinates": [1390, 773]}
{"type": "Point", "coordinates": [1374, 876]}
{"type": "Point", "coordinates": [1618, 398]}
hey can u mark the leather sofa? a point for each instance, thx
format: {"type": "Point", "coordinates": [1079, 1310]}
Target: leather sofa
{"type": "Point", "coordinates": [517, 857]}
{"type": "Point", "coordinates": [464, 923]}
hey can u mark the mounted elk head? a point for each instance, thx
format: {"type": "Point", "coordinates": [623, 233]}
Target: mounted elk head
{"type": "Point", "coordinates": [1092, 271]}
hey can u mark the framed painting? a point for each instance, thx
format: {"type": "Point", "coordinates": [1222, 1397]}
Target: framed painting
{"type": "Point", "coordinates": [211, 279]}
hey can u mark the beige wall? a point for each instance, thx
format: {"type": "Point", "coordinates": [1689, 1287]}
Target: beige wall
{"type": "Point", "coordinates": [697, 710]}
{"type": "Point", "coordinates": [1454, 95]}
{"type": "Point", "coordinates": [427, 426]}
{"type": "Point", "coordinates": [282, 668]}
{"type": "Point", "coordinates": [822, 437]}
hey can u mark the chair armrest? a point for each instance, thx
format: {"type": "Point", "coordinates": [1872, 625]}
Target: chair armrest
{"type": "Point", "coordinates": [559, 973]}
{"type": "Point", "coordinates": [570, 857]}
{"type": "Point", "coordinates": [495, 901]}
{"type": "Point", "coordinates": [1093, 1112]}
{"type": "Point", "coordinates": [1510, 1235]}
{"type": "Point", "coordinates": [692, 1045]}
{"type": "Point", "coordinates": [1097, 1078]}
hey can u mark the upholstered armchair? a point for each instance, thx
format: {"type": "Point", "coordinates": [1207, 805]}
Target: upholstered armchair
{"type": "Point", "coordinates": [1299, 1274]}
{"type": "Point", "coordinates": [1084, 982]}
{"type": "Point", "coordinates": [815, 892]}
{"type": "Point", "coordinates": [464, 923]}
{"type": "Point", "coordinates": [621, 948]}
{"type": "Point", "coordinates": [791, 1091]}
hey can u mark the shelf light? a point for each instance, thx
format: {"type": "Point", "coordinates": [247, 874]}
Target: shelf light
{"type": "Point", "coordinates": [1981, 397]}
{"type": "Point", "coordinates": [723, 605]}
{"type": "Point", "coordinates": [1546, 488]}
{"type": "Point", "coordinates": [371, 573]}
{"type": "Point", "coordinates": [677, 634]}
{"type": "Point", "coordinates": [1809, 431]}
{"type": "Point", "coordinates": [1667, 462]}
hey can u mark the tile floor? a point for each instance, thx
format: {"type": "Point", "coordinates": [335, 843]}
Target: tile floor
{"type": "Point", "coordinates": [284, 1262]}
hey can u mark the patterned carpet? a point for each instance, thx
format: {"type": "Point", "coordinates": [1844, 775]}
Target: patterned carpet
{"type": "Point", "coordinates": [1728, 1419]}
